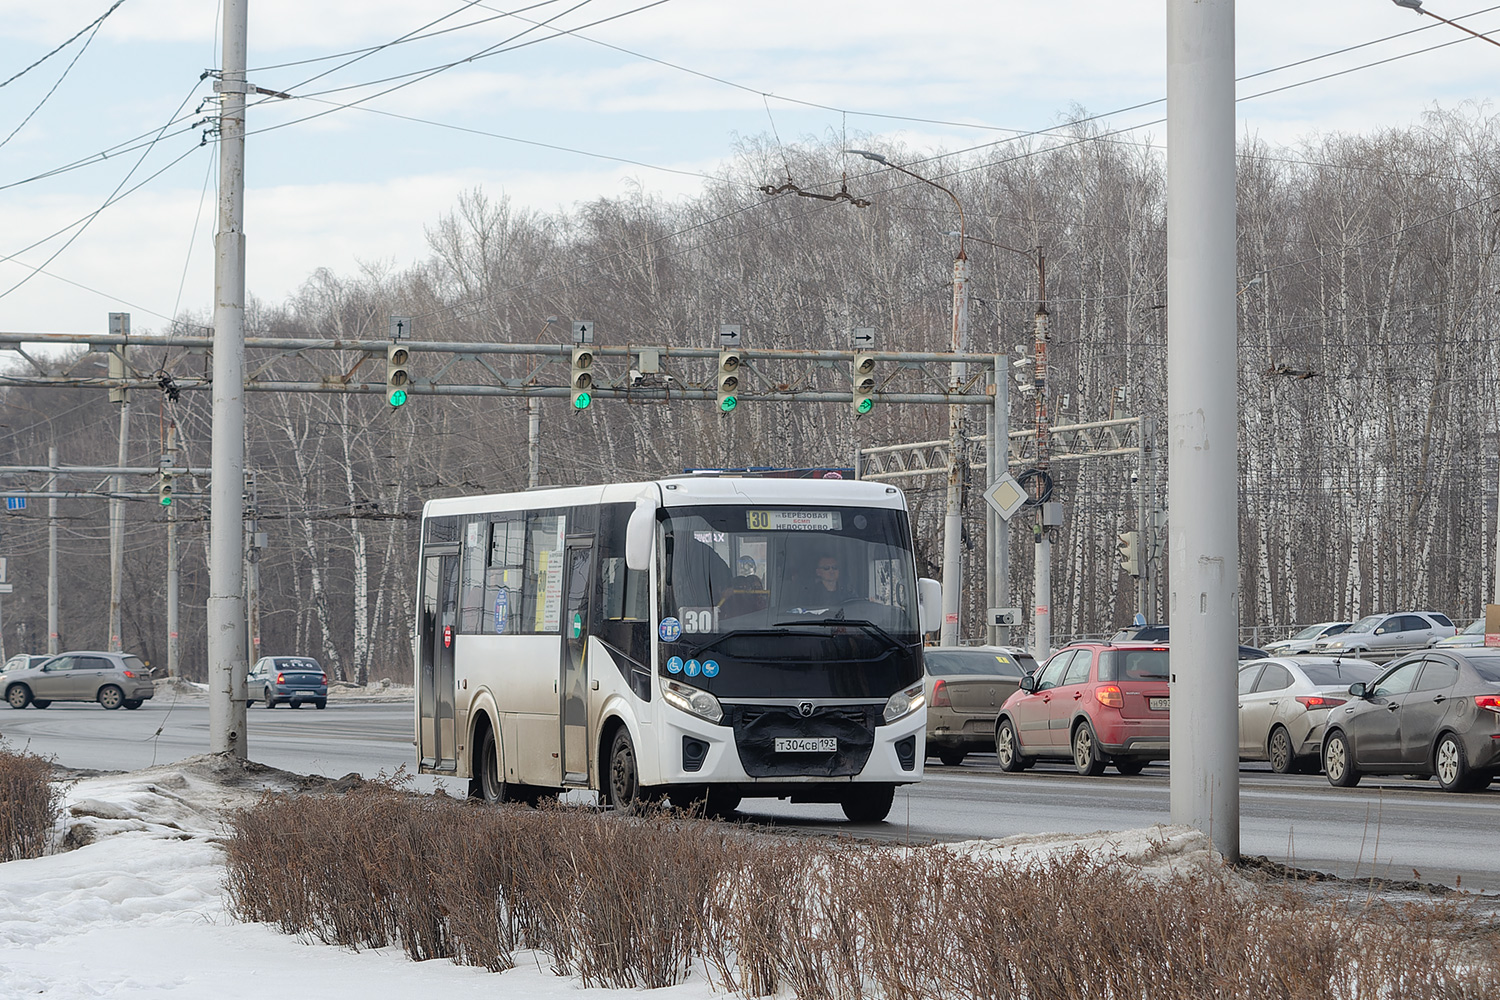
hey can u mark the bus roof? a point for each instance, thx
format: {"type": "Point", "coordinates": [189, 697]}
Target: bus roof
{"type": "Point", "coordinates": [684, 491]}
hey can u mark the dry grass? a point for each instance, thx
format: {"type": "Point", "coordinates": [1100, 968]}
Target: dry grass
{"type": "Point", "coordinates": [30, 803]}
{"type": "Point", "coordinates": [627, 903]}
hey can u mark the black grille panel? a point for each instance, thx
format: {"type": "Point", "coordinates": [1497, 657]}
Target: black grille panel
{"type": "Point", "coordinates": [757, 727]}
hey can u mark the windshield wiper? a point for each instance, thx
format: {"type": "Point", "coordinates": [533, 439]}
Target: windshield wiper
{"type": "Point", "coordinates": [857, 622]}
{"type": "Point", "coordinates": [739, 631]}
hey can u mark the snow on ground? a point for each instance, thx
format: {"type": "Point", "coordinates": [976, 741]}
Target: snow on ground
{"type": "Point", "coordinates": [135, 909]}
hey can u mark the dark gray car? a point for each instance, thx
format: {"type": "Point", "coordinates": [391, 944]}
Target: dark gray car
{"type": "Point", "coordinates": [966, 685]}
{"type": "Point", "coordinates": [111, 679]}
{"type": "Point", "coordinates": [1433, 713]}
{"type": "Point", "coordinates": [294, 680]}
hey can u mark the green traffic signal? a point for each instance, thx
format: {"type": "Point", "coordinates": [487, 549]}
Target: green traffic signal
{"type": "Point", "coordinates": [728, 403]}
{"type": "Point", "coordinates": [166, 501]}
{"type": "Point", "coordinates": [581, 400]}
{"type": "Point", "coordinates": [396, 397]}
{"type": "Point", "coordinates": [864, 405]}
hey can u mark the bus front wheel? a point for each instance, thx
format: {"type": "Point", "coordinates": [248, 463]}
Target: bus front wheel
{"type": "Point", "coordinates": [624, 784]}
{"type": "Point", "coordinates": [869, 803]}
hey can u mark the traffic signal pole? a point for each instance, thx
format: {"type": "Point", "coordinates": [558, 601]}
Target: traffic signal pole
{"type": "Point", "coordinates": [227, 664]}
{"type": "Point", "coordinates": [174, 578]}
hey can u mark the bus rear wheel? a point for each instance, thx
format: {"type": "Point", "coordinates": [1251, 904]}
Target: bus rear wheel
{"type": "Point", "coordinates": [869, 803]}
{"type": "Point", "coordinates": [487, 784]}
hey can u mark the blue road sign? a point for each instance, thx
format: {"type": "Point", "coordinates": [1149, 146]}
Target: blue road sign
{"type": "Point", "coordinates": [15, 503]}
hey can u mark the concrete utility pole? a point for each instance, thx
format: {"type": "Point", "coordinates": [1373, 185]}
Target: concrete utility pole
{"type": "Point", "coordinates": [997, 528]}
{"type": "Point", "coordinates": [174, 577]}
{"type": "Point", "coordinates": [226, 603]}
{"type": "Point", "coordinates": [119, 367]}
{"type": "Point", "coordinates": [52, 602]}
{"type": "Point", "coordinates": [953, 511]}
{"type": "Point", "coordinates": [1203, 418]}
{"type": "Point", "coordinates": [1041, 613]}
{"type": "Point", "coordinates": [533, 442]}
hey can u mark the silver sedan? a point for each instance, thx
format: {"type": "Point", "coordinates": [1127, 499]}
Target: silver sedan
{"type": "Point", "coordinates": [1284, 703]}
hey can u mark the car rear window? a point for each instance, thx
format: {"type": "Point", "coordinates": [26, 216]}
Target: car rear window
{"type": "Point", "coordinates": [950, 663]}
{"type": "Point", "coordinates": [1133, 665]}
{"type": "Point", "coordinates": [297, 663]}
{"type": "Point", "coordinates": [1488, 669]}
{"type": "Point", "coordinates": [1339, 673]}
{"type": "Point", "coordinates": [134, 663]}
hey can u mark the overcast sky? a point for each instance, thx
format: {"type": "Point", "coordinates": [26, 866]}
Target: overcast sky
{"type": "Point", "coordinates": [643, 92]}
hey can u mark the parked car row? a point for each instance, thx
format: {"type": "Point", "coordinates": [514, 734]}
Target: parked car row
{"type": "Point", "coordinates": [112, 679]}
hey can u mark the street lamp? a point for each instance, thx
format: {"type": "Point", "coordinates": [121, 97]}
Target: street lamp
{"type": "Point", "coordinates": [953, 511]}
{"type": "Point", "coordinates": [1416, 5]}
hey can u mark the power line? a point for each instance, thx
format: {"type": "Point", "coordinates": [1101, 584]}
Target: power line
{"type": "Point", "coordinates": [93, 24]}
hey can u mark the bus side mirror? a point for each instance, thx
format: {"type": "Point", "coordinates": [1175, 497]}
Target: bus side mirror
{"type": "Point", "coordinates": [638, 534]}
{"type": "Point", "coordinates": [929, 604]}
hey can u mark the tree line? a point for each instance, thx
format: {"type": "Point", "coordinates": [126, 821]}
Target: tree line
{"type": "Point", "coordinates": [1368, 361]}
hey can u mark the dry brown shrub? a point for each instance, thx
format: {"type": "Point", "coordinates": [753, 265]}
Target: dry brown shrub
{"type": "Point", "coordinates": [30, 804]}
{"type": "Point", "coordinates": [634, 902]}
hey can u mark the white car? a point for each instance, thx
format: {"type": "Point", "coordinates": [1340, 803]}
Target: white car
{"type": "Point", "coordinates": [1304, 640]}
{"type": "Point", "coordinates": [1284, 705]}
{"type": "Point", "coordinates": [1385, 637]}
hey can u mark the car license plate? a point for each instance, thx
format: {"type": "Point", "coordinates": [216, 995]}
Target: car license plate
{"type": "Point", "coordinates": [1161, 704]}
{"type": "Point", "coordinates": [822, 744]}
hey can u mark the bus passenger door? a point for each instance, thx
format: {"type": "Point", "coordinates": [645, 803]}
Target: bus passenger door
{"type": "Point", "coordinates": [435, 693]}
{"type": "Point", "coordinates": [573, 682]}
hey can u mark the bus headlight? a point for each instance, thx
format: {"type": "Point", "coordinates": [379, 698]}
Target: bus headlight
{"type": "Point", "coordinates": [693, 701]}
{"type": "Point", "coordinates": [903, 703]}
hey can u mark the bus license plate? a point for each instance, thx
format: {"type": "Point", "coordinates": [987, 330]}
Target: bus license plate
{"type": "Point", "coordinates": [822, 744]}
{"type": "Point", "coordinates": [1161, 704]}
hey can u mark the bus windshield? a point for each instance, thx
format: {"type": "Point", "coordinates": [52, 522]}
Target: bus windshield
{"type": "Point", "coordinates": [734, 568]}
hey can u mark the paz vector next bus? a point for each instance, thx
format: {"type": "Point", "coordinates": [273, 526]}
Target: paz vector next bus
{"type": "Point", "coordinates": [703, 638]}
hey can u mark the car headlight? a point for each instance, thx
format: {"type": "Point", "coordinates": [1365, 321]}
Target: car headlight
{"type": "Point", "coordinates": [693, 701]}
{"type": "Point", "coordinates": [903, 703]}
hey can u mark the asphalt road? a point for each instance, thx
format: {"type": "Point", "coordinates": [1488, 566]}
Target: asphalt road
{"type": "Point", "coordinates": [1391, 828]}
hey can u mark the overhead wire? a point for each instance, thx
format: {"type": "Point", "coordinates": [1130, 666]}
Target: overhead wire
{"type": "Point", "coordinates": [48, 96]}
{"type": "Point", "coordinates": [92, 24]}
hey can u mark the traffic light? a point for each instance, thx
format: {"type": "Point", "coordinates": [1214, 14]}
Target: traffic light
{"type": "Point", "coordinates": [729, 380]}
{"type": "Point", "coordinates": [864, 383]}
{"type": "Point", "coordinates": [1129, 548]}
{"type": "Point", "coordinates": [582, 380]}
{"type": "Point", "coordinates": [164, 490]}
{"type": "Point", "coordinates": [397, 375]}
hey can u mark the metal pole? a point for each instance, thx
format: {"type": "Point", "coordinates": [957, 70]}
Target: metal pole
{"type": "Point", "coordinates": [1041, 612]}
{"type": "Point", "coordinates": [117, 531]}
{"type": "Point", "coordinates": [53, 648]}
{"type": "Point", "coordinates": [1496, 591]}
{"type": "Point", "coordinates": [174, 634]}
{"type": "Point", "coordinates": [999, 467]}
{"type": "Point", "coordinates": [1201, 408]}
{"type": "Point", "coordinates": [1142, 525]}
{"type": "Point", "coordinates": [252, 566]}
{"type": "Point", "coordinates": [226, 605]}
{"type": "Point", "coordinates": [953, 514]}
{"type": "Point", "coordinates": [991, 520]}
{"type": "Point", "coordinates": [533, 441]}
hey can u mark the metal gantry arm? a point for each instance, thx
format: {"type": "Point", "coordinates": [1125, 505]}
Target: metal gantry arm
{"type": "Point", "coordinates": [777, 374]}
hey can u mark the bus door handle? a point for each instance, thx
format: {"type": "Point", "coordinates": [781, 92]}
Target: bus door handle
{"type": "Point", "coordinates": [595, 685]}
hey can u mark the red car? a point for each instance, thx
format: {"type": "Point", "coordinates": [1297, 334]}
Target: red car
{"type": "Point", "coordinates": [1095, 703]}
